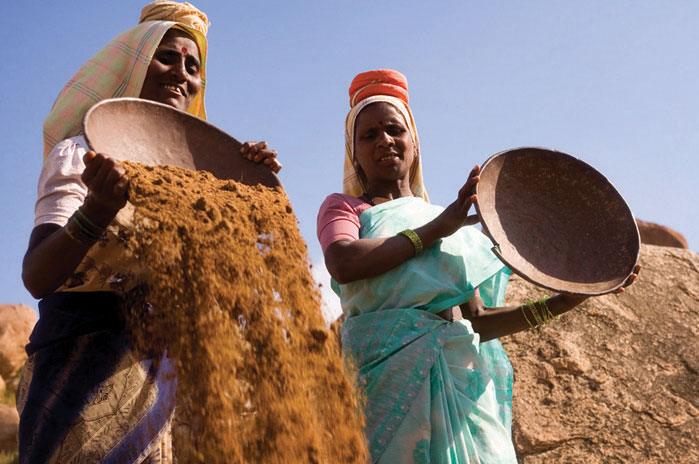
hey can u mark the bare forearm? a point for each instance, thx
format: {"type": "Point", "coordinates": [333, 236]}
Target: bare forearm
{"type": "Point", "coordinates": [348, 261]}
{"type": "Point", "coordinates": [493, 323]}
{"type": "Point", "coordinates": [53, 256]}
{"type": "Point", "coordinates": [51, 262]}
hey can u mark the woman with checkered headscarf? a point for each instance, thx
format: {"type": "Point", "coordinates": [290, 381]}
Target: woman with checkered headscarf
{"type": "Point", "coordinates": [84, 394]}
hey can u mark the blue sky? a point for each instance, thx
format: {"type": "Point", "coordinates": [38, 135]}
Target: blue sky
{"type": "Point", "coordinates": [614, 83]}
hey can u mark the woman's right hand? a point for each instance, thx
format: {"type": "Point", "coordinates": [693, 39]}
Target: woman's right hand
{"type": "Point", "coordinates": [106, 181]}
{"type": "Point", "coordinates": [456, 214]}
{"type": "Point", "coordinates": [53, 256]}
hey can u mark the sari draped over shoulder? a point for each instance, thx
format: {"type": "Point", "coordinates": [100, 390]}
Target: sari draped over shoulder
{"type": "Point", "coordinates": [433, 392]}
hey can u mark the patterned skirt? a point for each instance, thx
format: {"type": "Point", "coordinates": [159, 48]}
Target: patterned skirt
{"type": "Point", "coordinates": [85, 396]}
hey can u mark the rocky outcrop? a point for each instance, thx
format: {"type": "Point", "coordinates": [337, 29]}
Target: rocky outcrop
{"type": "Point", "coordinates": [9, 425]}
{"type": "Point", "coordinates": [16, 323]}
{"type": "Point", "coordinates": [655, 234]}
{"type": "Point", "coordinates": [617, 379]}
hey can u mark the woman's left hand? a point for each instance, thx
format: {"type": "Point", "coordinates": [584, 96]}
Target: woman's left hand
{"type": "Point", "coordinates": [259, 152]}
{"type": "Point", "coordinates": [630, 280]}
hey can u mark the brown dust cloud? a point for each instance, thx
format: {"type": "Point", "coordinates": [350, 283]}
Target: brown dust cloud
{"type": "Point", "coordinates": [231, 298]}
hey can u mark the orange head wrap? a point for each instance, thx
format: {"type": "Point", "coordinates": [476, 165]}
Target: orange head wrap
{"type": "Point", "coordinates": [378, 82]}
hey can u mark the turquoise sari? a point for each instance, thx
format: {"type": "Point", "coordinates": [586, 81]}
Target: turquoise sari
{"type": "Point", "coordinates": [433, 392]}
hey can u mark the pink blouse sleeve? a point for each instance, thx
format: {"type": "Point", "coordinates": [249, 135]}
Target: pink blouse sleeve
{"type": "Point", "coordinates": [338, 219]}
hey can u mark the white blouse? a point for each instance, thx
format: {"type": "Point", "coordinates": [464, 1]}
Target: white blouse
{"type": "Point", "coordinates": [110, 264]}
{"type": "Point", "coordinates": [60, 190]}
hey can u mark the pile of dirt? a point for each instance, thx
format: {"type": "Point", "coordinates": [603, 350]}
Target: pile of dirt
{"type": "Point", "coordinates": [231, 298]}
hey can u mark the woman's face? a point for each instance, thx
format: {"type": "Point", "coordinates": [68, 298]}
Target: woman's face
{"type": "Point", "coordinates": [174, 73]}
{"type": "Point", "coordinates": [383, 145]}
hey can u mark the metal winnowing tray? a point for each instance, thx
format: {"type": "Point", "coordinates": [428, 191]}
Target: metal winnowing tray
{"type": "Point", "coordinates": [133, 129]}
{"type": "Point", "coordinates": [557, 221]}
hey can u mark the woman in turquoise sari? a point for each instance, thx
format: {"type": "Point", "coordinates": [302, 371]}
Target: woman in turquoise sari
{"type": "Point", "coordinates": [438, 388]}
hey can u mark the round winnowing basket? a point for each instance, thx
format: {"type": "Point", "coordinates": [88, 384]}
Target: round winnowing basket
{"type": "Point", "coordinates": [133, 129]}
{"type": "Point", "coordinates": [557, 221]}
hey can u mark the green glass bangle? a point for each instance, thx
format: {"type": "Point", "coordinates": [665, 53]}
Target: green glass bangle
{"type": "Point", "coordinates": [87, 232]}
{"type": "Point", "coordinates": [535, 312]}
{"type": "Point", "coordinates": [77, 235]}
{"type": "Point", "coordinates": [89, 222]}
{"type": "Point", "coordinates": [539, 310]}
{"type": "Point", "coordinates": [525, 316]}
{"type": "Point", "coordinates": [414, 239]}
{"type": "Point", "coordinates": [543, 301]}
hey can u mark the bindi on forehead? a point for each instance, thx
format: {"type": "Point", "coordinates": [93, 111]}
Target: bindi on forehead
{"type": "Point", "coordinates": [184, 49]}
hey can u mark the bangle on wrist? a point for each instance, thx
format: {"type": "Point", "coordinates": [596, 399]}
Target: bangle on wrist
{"type": "Point", "coordinates": [80, 212]}
{"type": "Point", "coordinates": [539, 310]}
{"type": "Point", "coordinates": [414, 238]}
{"type": "Point", "coordinates": [77, 234]}
{"type": "Point", "coordinates": [82, 230]}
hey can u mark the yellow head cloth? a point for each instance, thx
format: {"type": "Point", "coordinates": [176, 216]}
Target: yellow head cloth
{"type": "Point", "coordinates": [118, 70]}
{"type": "Point", "coordinates": [351, 182]}
{"type": "Point", "coordinates": [182, 13]}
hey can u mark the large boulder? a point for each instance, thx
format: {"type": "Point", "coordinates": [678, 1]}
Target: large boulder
{"type": "Point", "coordinates": [617, 379]}
{"type": "Point", "coordinates": [16, 323]}
{"type": "Point", "coordinates": [9, 426]}
{"type": "Point", "coordinates": [655, 234]}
